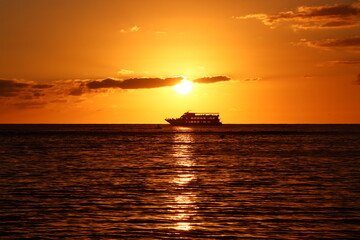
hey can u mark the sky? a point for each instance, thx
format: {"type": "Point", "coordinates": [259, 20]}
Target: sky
{"type": "Point", "coordinates": [117, 61]}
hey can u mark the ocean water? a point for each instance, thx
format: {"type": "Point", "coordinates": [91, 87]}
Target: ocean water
{"type": "Point", "coordinates": [164, 182]}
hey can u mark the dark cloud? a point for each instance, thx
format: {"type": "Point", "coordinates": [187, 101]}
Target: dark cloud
{"type": "Point", "coordinates": [76, 91]}
{"type": "Point", "coordinates": [9, 88]}
{"type": "Point", "coordinates": [357, 81]}
{"type": "Point", "coordinates": [25, 95]}
{"type": "Point", "coordinates": [137, 83]}
{"type": "Point", "coordinates": [329, 16]}
{"type": "Point", "coordinates": [106, 83]}
{"type": "Point", "coordinates": [30, 95]}
{"type": "Point", "coordinates": [134, 83]}
{"type": "Point", "coordinates": [38, 94]}
{"type": "Point", "coordinates": [42, 86]}
{"type": "Point", "coordinates": [29, 104]}
{"type": "Point", "coordinates": [213, 79]}
{"type": "Point", "coordinates": [27, 90]}
{"type": "Point", "coordinates": [349, 43]}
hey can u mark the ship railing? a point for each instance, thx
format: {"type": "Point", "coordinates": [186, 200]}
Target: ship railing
{"type": "Point", "coordinates": [207, 114]}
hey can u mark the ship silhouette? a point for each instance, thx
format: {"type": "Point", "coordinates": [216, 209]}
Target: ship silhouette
{"type": "Point", "coordinates": [195, 119]}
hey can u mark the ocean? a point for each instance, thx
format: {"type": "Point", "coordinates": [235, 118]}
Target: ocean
{"type": "Point", "coordinates": [162, 182]}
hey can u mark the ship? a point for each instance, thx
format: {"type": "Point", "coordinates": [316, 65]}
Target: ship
{"type": "Point", "coordinates": [195, 119]}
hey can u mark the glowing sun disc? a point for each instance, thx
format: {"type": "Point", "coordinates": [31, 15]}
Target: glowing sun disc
{"type": "Point", "coordinates": [184, 87]}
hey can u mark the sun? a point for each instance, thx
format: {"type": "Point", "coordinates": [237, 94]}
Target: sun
{"type": "Point", "coordinates": [184, 87]}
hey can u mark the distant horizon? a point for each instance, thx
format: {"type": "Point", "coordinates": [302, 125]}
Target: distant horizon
{"type": "Point", "coordinates": [177, 126]}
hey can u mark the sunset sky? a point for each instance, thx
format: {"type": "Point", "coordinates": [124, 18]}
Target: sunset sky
{"type": "Point", "coordinates": [116, 61]}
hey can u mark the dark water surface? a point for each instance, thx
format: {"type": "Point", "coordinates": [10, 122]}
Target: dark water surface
{"type": "Point", "coordinates": [144, 182]}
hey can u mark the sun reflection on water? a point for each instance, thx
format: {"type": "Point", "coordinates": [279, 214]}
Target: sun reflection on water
{"type": "Point", "coordinates": [183, 129]}
{"type": "Point", "coordinates": [182, 156]}
{"type": "Point", "coordinates": [184, 200]}
{"type": "Point", "coordinates": [184, 210]}
{"type": "Point", "coordinates": [184, 179]}
{"type": "Point", "coordinates": [184, 207]}
{"type": "Point", "coordinates": [183, 150]}
{"type": "Point", "coordinates": [183, 226]}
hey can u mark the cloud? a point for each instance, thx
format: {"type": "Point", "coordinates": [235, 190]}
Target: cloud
{"type": "Point", "coordinates": [213, 79]}
{"type": "Point", "coordinates": [253, 79]}
{"type": "Point", "coordinates": [125, 72]}
{"type": "Point", "coordinates": [346, 62]}
{"type": "Point", "coordinates": [329, 16]}
{"type": "Point", "coordinates": [357, 81]}
{"type": "Point", "coordinates": [76, 91]}
{"type": "Point", "coordinates": [24, 95]}
{"type": "Point", "coordinates": [352, 43]}
{"type": "Point", "coordinates": [20, 94]}
{"type": "Point", "coordinates": [9, 88]}
{"type": "Point", "coordinates": [63, 88]}
{"type": "Point", "coordinates": [134, 83]}
{"type": "Point", "coordinates": [132, 29]}
{"type": "Point", "coordinates": [30, 104]}
{"type": "Point", "coordinates": [42, 86]}
{"type": "Point", "coordinates": [340, 62]}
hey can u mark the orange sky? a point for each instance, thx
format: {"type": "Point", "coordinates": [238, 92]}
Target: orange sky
{"type": "Point", "coordinates": [114, 61]}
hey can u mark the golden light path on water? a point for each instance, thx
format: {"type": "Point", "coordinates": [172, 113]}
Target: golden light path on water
{"type": "Point", "coordinates": [184, 208]}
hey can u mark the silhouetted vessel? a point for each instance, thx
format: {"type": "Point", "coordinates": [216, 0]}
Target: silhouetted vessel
{"type": "Point", "coordinates": [195, 119]}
